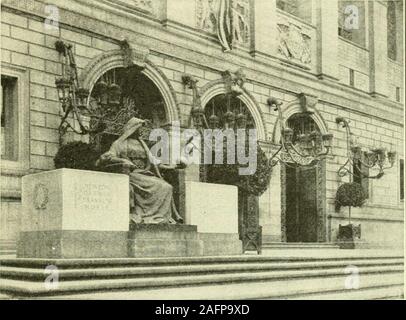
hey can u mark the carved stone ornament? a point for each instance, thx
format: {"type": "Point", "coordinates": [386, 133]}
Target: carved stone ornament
{"type": "Point", "coordinates": [234, 81]}
{"type": "Point", "coordinates": [41, 196]}
{"type": "Point", "coordinates": [308, 102]}
{"type": "Point", "coordinates": [229, 19]}
{"type": "Point", "coordinates": [294, 44]}
{"type": "Point", "coordinates": [296, 159]}
{"type": "Point", "coordinates": [133, 57]}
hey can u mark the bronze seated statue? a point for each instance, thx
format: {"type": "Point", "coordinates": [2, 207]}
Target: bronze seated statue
{"type": "Point", "coordinates": [151, 197]}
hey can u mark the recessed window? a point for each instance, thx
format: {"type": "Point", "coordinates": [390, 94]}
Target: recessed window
{"type": "Point", "coordinates": [299, 8]}
{"type": "Point", "coordinates": [352, 78]}
{"type": "Point", "coordinates": [351, 21]}
{"type": "Point", "coordinates": [402, 179]}
{"type": "Point", "coordinates": [392, 32]}
{"type": "Point", "coordinates": [398, 94]}
{"type": "Point", "coordinates": [9, 118]}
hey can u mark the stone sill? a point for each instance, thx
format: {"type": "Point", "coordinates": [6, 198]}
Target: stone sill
{"type": "Point", "coordinates": [353, 43]}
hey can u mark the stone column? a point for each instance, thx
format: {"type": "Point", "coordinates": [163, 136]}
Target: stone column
{"type": "Point", "coordinates": [327, 42]}
{"type": "Point", "coordinates": [378, 48]}
{"type": "Point", "coordinates": [275, 205]}
{"type": "Point", "coordinates": [264, 33]}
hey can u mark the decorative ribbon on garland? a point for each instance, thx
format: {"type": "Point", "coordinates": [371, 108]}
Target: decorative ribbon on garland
{"type": "Point", "coordinates": [225, 25]}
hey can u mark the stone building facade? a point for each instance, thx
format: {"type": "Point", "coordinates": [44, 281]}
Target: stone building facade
{"type": "Point", "coordinates": [294, 51]}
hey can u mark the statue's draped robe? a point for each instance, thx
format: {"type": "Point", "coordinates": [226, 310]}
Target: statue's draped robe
{"type": "Point", "coordinates": [150, 196]}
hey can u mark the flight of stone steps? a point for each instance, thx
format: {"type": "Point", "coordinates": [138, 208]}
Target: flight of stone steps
{"type": "Point", "coordinates": [275, 276]}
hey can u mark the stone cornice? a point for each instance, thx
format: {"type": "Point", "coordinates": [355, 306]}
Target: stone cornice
{"type": "Point", "coordinates": [186, 47]}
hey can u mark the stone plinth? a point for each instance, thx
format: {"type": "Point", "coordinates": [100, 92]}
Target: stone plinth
{"type": "Point", "coordinates": [74, 213]}
{"type": "Point", "coordinates": [65, 244]}
{"type": "Point", "coordinates": [164, 240]}
{"type": "Point", "coordinates": [212, 207]}
{"type": "Point", "coordinates": [221, 244]}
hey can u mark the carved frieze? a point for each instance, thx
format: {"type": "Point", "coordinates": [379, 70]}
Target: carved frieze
{"type": "Point", "coordinates": [207, 14]}
{"type": "Point", "coordinates": [229, 19]}
{"type": "Point", "coordinates": [294, 44]}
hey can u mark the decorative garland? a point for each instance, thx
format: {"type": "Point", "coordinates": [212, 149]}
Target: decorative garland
{"type": "Point", "coordinates": [350, 195]}
{"type": "Point", "coordinates": [255, 184]}
{"type": "Point", "coordinates": [76, 155]}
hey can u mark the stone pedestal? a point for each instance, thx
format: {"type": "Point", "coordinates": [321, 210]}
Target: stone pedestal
{"type": "Point", "coordinates": [74, 214]}
{"type": "Point", "coordinates": [221, 244]}
{"type": "Point", "coordinates": [65, 244]}
{"type": "Point", "coordinates": [84, 214]}
{"type": "Point", "coordinates": [212, 207]}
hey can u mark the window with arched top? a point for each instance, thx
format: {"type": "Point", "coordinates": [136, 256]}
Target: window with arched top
{"type": "Point", "coordinates": [118, 95]}
{"type": "Point", "coordinates": [299, 8]}
{"type": "Point", "coordinates": [351, 21]}
{"type": "Point", "coordinates": [301, 123]}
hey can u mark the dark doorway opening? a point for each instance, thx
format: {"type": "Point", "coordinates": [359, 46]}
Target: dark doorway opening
{"type": "Point", "coordinates": [301, 204]}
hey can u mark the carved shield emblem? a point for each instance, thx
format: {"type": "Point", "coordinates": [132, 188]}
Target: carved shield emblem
{"type": "Point", "coordinates": [295, 41]}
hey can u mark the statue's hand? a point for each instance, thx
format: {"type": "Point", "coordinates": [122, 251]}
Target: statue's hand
{"type": "Point", "coordinates": [182, 164]}
{"type": "Point", "coordinates": [128, 167]}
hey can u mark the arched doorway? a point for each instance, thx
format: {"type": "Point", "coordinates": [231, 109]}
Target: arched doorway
{"type": "Point", "coordinates": [227, 112]}
{"type": "Point", "coordinates": [303, 192]}
{"type": "Point", "coordinates": [120, 94]}
{"type": "Point", "coordinates": [223, 112]}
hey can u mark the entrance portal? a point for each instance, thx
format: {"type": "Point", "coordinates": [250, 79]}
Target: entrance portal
{"type": "Point", "coordinates": [301, 204]}
{"type": "Point", "coordinates": [303, 212]}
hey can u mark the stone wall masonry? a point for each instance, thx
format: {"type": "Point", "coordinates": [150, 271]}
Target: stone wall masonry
{"type": "Point", "coordinates": [25, 43]}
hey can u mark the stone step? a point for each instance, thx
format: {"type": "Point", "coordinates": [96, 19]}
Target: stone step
{"type": "Point", "coordinates": [37, 274]}
{"type": "Point", "coordinates": [297, 245]}
{"type": "Point", "coordinates": [282, 257]}
{"type": "Point", "coordinates": [372, 293]}
{"type": "Point", "coordinates": [384, 285]}
{"type": "Point", "coordinates": [32, 288]}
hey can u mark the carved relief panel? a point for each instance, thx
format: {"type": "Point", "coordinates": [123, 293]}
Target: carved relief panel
{"type": "Point", "coordinates": [233, 16]}
{"type": "Point", "coordinates": [294, 43]}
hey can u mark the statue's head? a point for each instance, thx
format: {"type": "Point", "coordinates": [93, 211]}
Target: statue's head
{"type": "Point", "coordinates": [144, 131]}
{"type": "Point", "coordinates": [137, 128]}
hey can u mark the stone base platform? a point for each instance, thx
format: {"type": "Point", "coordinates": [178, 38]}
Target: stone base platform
{"type": "Point", "coordinates": [160, 240]}
{"type": "Point", "coordinates": [143, 240]}
{"type": "Point", "coordinates": [72, 244]}
{"type": "Point", "coordinates": [220, 244]}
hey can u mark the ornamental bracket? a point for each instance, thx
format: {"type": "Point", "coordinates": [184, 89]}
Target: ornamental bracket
{"type": "Point", "coordinates": [234, 81]}
{"type": "Point", "coordinates": [133, 58]}
{"type": "Point", "coordinates": [308, 103]}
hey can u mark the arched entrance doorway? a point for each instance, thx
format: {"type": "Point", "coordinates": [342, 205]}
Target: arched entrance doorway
{"type": "Point", "coordinates": [223, 112]}
{"type": "Point", "coordinates": [303, 192]}
{"type": "Point", "coordinates": [120, 94]}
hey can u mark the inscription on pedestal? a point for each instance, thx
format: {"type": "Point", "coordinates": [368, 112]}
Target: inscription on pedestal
{"type": "Point", "coordinates": [93, 196]}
